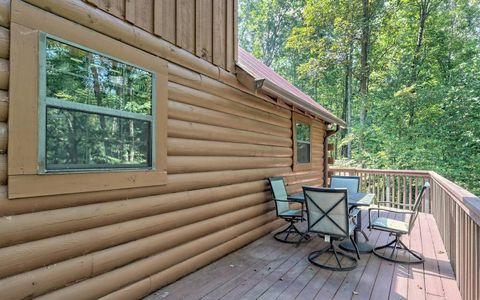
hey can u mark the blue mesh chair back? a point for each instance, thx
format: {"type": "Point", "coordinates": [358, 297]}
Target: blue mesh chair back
{"type": "Point", "coordinates": [351, 183]}
{"type": "Point", "coordinates": [279, 192]}
{"type": "Point", "coordinates": [327, 211]}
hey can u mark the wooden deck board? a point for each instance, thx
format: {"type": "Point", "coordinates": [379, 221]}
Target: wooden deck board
{"type": "Point", "coordinates": [267, 269]}
{"type": "Point", "coordinates": [247, 279]}
{"type": "Point", "coordinates": [382, 286]}
{"type": "Point", "coordinates": [350, 287]}
{"type": "Point", "coordinates": [447, 277]}
{"type": "Point", "coordinates": [433, 284]}
{"type": "Point", "coordinates": [369, 276]}
{"type": "Point", "coordinates": [416, 281]}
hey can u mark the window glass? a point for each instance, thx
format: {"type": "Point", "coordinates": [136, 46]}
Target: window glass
{"type": "Point", "coordinates": [302, 132]}
{"type": "Point", "coordinates": [79, 140]}
{"type": "Point", "coordinates": [97, 111]}
{"type": "Point", "coordinates": [73, 74]}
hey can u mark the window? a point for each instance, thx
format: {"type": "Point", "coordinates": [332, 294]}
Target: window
{"type": "Point", "coordinates": [88, 112]}
{"type": "Point", "coordinates": [96, 112]}
{"type": "Point", "coordinates": [302, 133]}
{"type": "Point", "coordinates": [303, 142]}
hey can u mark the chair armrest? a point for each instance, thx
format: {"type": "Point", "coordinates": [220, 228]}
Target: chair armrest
{"type": "Point", "coordinates": [391, 209]}
{"type": "Point", "coordinates": [290, 201]}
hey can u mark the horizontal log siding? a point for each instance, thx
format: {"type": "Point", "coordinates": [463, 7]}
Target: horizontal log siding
{"type": "Point", "coordinates": [4, 83]}
{"type": "Point", "coordinates": [222, 144]}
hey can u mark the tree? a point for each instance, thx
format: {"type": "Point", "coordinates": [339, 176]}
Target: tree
{"type": "Point", "coordinates": [406, 71]}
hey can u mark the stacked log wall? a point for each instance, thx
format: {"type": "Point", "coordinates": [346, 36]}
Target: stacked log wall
{"type": "Point", "coordinates": [222, 145]}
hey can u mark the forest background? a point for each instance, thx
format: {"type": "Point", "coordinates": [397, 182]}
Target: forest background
{"type": "Point", "coordinates": [404, 74]}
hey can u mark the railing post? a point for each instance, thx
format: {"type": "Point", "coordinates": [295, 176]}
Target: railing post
{"type": "Point", "coordinates": [428, 198]}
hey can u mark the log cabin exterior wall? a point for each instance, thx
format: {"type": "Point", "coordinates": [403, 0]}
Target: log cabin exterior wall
{"type": "Point", "coordinates": [206, 28]}
{"type": "Point", "coordinates": [223, 141]}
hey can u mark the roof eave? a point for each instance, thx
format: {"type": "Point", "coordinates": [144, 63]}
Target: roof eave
{"type": "Point", "coordinates": [273, 89]}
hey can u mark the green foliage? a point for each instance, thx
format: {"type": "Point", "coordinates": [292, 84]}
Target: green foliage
{"type": "Point", "coordinates": [421, 117]}
{"type": "Point", "coordinates": [302, 132]}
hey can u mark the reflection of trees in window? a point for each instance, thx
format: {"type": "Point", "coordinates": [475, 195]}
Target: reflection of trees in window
{"type": "Point", "coordinates": [302, 132]}
{"type": "Point", "coordinates": [98, 110]}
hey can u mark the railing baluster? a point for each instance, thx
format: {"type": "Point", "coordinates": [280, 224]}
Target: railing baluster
{"type": "Point", "coordinates": [410, 192]}
{"type": "Point", "coordinates": [399, 196]}
{"type": "Point", "coordinates": [416, 190]}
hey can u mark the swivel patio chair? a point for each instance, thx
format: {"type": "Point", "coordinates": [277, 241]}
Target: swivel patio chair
{"type": "Point", "coordinates": [352, 184]}
{"type": "Point", "coordinates": [291, 234]}
{"type": "Point", "coordinates": [397, 228]}
{"type": "Point", "coordinates": [327, 215]}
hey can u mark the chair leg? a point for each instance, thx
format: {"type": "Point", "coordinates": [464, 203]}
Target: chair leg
{"type": "Point", "coordinates": [364, 235]}
{"type": "Point", "coordinates": [398, 245]}
{"type": "Point", "coordinates": [417, 255]}
{"type": "Point", "coordinates": [336, 256]}
{"type": "Point", "coordinates": [291, 230]}
{"type": "Point", "coordinates": [355, 246]}
{"type": "Point", "coordinates": [312, 257]}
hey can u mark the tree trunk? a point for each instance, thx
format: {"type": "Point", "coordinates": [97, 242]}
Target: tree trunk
{"type": "Point", "coordinates": [99, 100]}
{"type": "Point", "coordinates": [425, 7]}
{"type": "Point", "coordinates": [364, 75]}
{"type": "Point", "coordinates": [131, 131]}
{"type": "Point", "coordinates": [347, 103]}
{"type": "Point", "coordinates": [348, 119]}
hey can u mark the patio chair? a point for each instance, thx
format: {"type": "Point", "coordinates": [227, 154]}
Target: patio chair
{"type": "Point", "coordinates": [327, 215]}
{"type": "Point", "coordinates": [291, 234]}
{"type": "Point", "coordinates": [397, 228]}
{"type": "Point", "coordinates": [352, 184]}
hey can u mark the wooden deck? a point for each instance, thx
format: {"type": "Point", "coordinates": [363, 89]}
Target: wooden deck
{"type": "Point", "coordinates": [267, 269]}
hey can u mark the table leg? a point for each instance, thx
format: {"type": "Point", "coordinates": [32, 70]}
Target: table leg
{"type": "Point", "coordinates": [362, 246]}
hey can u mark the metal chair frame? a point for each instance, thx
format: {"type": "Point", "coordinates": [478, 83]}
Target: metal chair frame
{"type": "Point", "coordinates": [396, 244]}
{"type": "Point", "coordinates": [292, 219]}
{"type": "Point", "coordinates": [333, 237]}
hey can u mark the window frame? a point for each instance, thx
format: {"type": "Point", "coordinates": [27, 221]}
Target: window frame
{"type": "Point", "coordinates": [45, 101]}
{"type": "Point", "coordinates": [25, 179]}
{"type": "Point", "coordinates": [298, 118]}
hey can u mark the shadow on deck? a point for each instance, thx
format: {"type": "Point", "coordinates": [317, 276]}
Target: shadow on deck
{"type": "Point", "coordinates": [267, 269]}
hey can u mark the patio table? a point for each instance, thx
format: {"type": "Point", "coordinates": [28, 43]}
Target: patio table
{"type": "Point", "coordinates": [355, 200]}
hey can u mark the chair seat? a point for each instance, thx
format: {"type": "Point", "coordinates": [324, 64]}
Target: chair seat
{"type": "Point", "coordinates": [390, 224]}
{"type": "Point", "coordinates": [292, 213]}
{"type": "Point", "coordinates": [397, 210]}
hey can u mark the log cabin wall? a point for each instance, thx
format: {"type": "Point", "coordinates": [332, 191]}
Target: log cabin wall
{"type": "Point", "coordinates": [206, 28]}
{"type": "Point", "coordinates": [125, 243]}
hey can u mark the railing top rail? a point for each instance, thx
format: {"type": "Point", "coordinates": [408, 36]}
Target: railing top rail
{"type": "Point", "coordinates": [468, 201]}
{"type": "Point", "coordinates": [382, 171]}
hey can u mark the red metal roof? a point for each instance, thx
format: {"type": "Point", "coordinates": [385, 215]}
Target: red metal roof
{"type": "Point", "coordinates": [260, 71]}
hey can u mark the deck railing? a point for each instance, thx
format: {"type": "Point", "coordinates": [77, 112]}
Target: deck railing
{"type": "Point", "coordinates": [456, 211]}
{"type": "Point", "coordinates": [400, 187]}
